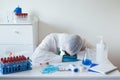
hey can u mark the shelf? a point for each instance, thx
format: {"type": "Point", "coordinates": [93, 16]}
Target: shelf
{"type": "Point", "coordinates": [15, 23]}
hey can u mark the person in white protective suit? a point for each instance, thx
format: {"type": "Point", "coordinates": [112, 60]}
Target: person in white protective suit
{"type": "Point", "coordinates": [48, 50]}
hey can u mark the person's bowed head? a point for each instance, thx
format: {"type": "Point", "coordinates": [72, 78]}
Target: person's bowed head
{"type": "Point", "coordinates": [71, 44]}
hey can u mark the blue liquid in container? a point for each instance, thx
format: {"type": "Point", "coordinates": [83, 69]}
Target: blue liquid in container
{"type": "Point", "coordinates": [87, 62]}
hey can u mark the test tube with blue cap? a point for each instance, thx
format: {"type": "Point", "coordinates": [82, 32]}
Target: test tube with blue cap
{"type": "Point", "coordinates": [70, 67]}
{"type": "Point", "coordinates": [73, 68]}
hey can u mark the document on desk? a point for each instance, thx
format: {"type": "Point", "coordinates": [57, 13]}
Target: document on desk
{"type": "Point", "coordinates": [104, 68]}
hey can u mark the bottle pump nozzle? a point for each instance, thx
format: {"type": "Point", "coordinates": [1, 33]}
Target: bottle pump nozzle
{"type": "Point", "coordinates": [101, 39]}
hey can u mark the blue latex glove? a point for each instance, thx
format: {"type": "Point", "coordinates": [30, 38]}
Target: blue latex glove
{"type": "Point", "coordinates": [49, 69]}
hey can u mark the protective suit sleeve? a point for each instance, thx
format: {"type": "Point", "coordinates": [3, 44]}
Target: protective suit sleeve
{"type": "Point", "coordinates": [46, 51]}
{"type": "Point", "coordinates": [46, 56]}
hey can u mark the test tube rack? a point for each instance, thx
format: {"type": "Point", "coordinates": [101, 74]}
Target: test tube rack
{"type": "Point", "coordinates": [15, 64]}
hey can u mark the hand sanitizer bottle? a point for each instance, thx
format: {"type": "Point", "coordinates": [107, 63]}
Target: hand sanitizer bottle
{"type": "Point", "coordinates": [101, 51]}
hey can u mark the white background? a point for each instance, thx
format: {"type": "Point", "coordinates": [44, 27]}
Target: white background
{"type": "Point", "coordinates": [89, 18]}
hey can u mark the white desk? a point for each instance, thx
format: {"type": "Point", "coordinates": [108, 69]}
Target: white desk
{"type": "Point", "coordinates": [35, 74]}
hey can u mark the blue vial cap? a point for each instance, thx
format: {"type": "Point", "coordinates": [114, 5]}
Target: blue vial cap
{"type": "Point", "coordinates": [76, 70]}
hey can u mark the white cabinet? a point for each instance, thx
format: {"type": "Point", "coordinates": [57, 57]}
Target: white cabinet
{"type": "Point", "coordinates": [18, 39]}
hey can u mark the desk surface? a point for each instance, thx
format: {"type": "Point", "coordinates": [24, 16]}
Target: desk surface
{"type": "Point", "coordinates": [66, 74]}
{"type": "Point", "coordinates": [35, 73]}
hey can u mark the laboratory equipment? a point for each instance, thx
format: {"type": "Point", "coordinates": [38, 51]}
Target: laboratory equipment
{"type": "Point", "coordinates": [70, 67]}
{"type": "Point", "coordinates": [101, 51]}
{"type": "Point", "coordinates": [19, 16]}
{"type": "Point", "coordinates": [86, 62]}
{"type": "Point", "coordinates": [73, 68]}
{"type": "Point", "coordinates": [18, 10]}
{"type": "Point", "coordinates": [15, 64]}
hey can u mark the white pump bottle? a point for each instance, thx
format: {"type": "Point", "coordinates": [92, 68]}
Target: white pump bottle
{"type": "Point", "coordinates": [101, 51]}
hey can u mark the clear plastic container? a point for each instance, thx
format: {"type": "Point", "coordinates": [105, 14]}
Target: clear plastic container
{"type": "Point", "coordinates": [21, 18]}
{"type": "Point", "coordinates": [87, 60]}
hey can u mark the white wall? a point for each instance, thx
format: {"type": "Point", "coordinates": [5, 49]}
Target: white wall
{"type": "Point", "coordinates": [89, 18]}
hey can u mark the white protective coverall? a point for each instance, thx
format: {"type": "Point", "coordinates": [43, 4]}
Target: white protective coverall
{"type": "Point", "coordinates": [47, 51]}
